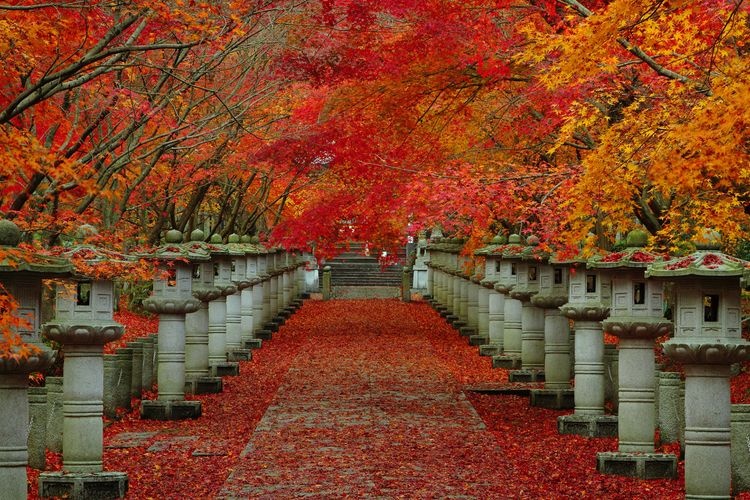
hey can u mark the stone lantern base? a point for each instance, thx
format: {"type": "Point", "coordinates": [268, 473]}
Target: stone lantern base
{"type": "Point", "coordinates": [491, 350]}
{"type": "Point", "coordinates": [588, 425]}
{"type": "Point", "coordinates": [553, 399]}
{"type": "Point", "coordinates": [253, 343]}
{"type": "Point", "coordinates": [264, 334]}
{"type": "Point", "coordinates": [225, 369]}
{"type": "Point", "coordinates": [156, 409]}
{"type": "Point", "coordinates": [528, 375]}
{"type": "Point", "coordinates": [239, 355]}
{"type": "Point", "coordinates": [204, 385]}
{"type": "Point", "coordinates": [83, 485]}
{"type": "Point", "coordinates": [640, 465]}
{"type": "Point", "coordinates": [507, 361]}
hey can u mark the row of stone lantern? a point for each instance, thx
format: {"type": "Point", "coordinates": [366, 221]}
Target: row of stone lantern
{"type": "Point", "coordinates": [531, 297]}
{"type": "Point", "coordinates": [215, 301]}
{"type": "Point", "coordinates": [83, 323]}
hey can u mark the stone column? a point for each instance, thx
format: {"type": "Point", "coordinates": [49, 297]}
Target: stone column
{"type": "Point", "coordinates": [233, 326]}
{"type": "Point", "coordinates": [124, 356]}
{"type": "Point", "coordinates": [171, 403]}
{"type": "Point", "coordinates": [83, 391]}
{"type": "Point", "coordinates": [483, 315]}
{"type": "Point", "coordinates": [532, 338]}
{"type": "Point", "coordinates": [671, 412]}
{"type": "Point", "coordinates": [327, 292]}
{"type": "Point", "coordinates": [740, 435]}
{"type": "Point", "coordinates": [14, 419]}
{"type": "Point", "coordinates": [198, 378]}
{"type": "Point", "coordinates": [246, 319]}
{"type": "Point", "coordinates": [218, 364]}
{"type": "Point", "coordinates": [637, 410]}
{"type": "Point", "coordinates": [557, 393]}
{"type": "Point", "coordinates": [54, 387]}
{"type": "Point", "coordinates": [406, 284]}
{"type": "Point", "coordinates": [136, 374]}
{"type": "Point", "coordinates": [511, 357]}
{"type": "Point", "coordinates": [257, 306]}
{"type": "Point", "coordinates": [37, 427]}
{"type": "Point", "coordinates": [147, 375]}
{"type": "Point", "coordinates": [588, 418]}
{"type": "Point", "coordinates": [496, 321]}
{"type": "Point", "coordinates": [111, 378]}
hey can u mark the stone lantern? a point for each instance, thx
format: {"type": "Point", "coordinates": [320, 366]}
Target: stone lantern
{"type": "Point", "coordinates": [589, 296]}
{"type": "Point", "coordinates": [248, 294]}
{"type": "Point", "coordinates": [172, 298]}
{"type": "Point", "coordinates": [529, 270]}
{"type": "Point", "coordinates": [83, 323]}
{"type": "Point", "coordinates": [198, 379]}
{"type": "Point", "coordinates": [707, 340]}
{"type": "Point", "coordinates": [495, 299]}
{"type": "Point", "coordinates": [508, 278]}
{"type": "Point", "coordinates": [421, 258]}
{"type": "Point", "coordinates": [636, 317]}
{"type": "Point", "coordinates": [21, 273]}
{"type": "Point", "coordinates": [235, 350]}
{"type": "Point", "coordinates": [553, 293]}
{"type": "Point", "coordinates": [217, 311]}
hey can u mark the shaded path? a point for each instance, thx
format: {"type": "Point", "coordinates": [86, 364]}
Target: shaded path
{"type": "Point", "coordinates": [367, 410]}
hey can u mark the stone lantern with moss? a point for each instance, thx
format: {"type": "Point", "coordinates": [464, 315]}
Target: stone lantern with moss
{"type": "Point", "coordinates": [236, 251]}
{"type": "Point", "coordinates": [83, 323]}
{"type": "Point", "coordinates": [217, 311]}
{"type": "Point", "coordinates": [636, 317]}
{"type": "Point", "coordinates": [589, 297]}
{"type": "Point", "coordinates": [508, 278]}
{"type": "Point", "coordinates": [172, 298]}
{"type": "Point", "coordinates": [198, 378]}
{"type": "Point", "coordinates": [495, 299]}
{"type": "Point", "coordinates": [529, 263]}
{"type": "Point", "coordinates": [707, 340]}
{"type": "Point", "coordinates": [553, 293]}
{"type": "Point", "coordinates": [21, 350]}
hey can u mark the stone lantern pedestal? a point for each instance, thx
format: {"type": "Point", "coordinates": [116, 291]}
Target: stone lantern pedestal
{"type": "Point", "coordinates": [14, 417]}
{"type": "Point", "coordinates": [172, 299]}
{"type": "Point", "coordinates": [512, 307]}
{"type": "Point", "coordinates": [198, 378]}
{"type": "Point", "coordinates": [636, 318]}
{"type": "Point", "coordinates": [21, 273]}
{"type": "Point", "coordinates": [83, 391]}
{"type": "Point", "coordinates": [491, 302]}
{"type": "Point", "coordinates": [707, 341]}
{"type": "Point", "coordinates": [218, 362]}
{"type": "Point", "coordinates": [557, 393]}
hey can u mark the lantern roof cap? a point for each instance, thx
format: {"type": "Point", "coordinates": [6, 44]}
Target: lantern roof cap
{"type": "Point", "coordinates": [24, 258]}
{"type": "Point", "coordinates": [174, 249]}
{"type": "Point", "coordinates": [631, 257]}
{"type": "Point", "coordinates": [700, 263]}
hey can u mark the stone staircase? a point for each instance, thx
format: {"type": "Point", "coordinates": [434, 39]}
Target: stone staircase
{"type": "Point", "coordinates": [353, 268]}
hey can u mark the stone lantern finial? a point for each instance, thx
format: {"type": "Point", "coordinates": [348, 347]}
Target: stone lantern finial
{"type": "Point", "coordinates": [246, 238]}
{"type": "Point", "coordinates": [636, 238]}
{"type": "Point", "coordinates": [197, 235]}
{"type": "Point", "coordinates": [233, 238]}
{"type": "Point", "coordinates": [10, 234]}
{"type": "Point", "coordinates": [215, 239]}
{"type": "Point", "coordinates": [173, 236]}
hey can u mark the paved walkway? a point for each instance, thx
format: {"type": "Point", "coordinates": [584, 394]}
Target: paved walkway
{"type": "Point", "coordinates": [366, 411]}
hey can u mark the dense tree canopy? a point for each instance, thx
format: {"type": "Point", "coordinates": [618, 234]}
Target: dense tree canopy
{"type": "Point", "coordinates": [306, 120]}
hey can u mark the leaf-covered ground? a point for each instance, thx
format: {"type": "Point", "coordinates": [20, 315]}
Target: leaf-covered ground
{"type": "Point", "coordinates": [364, 399]}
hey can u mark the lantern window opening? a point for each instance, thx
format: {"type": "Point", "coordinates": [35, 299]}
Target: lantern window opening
{"type": "Point", "coordinates": [591, 283]}
{"type": "Point", "coordinates": [497, 266]}
{"type": "Point", "coordinates": [639, 293]}
{"type": "Point", "coordinates": [196, 271]}
{"type": "Point", "coordinates": [513, 270]}
{"type": "Point", "coordinates": [558, 276]}
{"type": "Point", "coordinates": [711, 307]}
{"type": "Point", "coordinates": [83, 293]}
{"type": "Point", "coordinates": [532, 275]}
{"type": "Point", "coordinates": [171, 278]}
{"type": "Point", "coordinates": [216, 269]}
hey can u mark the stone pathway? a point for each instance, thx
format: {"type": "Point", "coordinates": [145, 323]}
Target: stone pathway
{"type": "Point", "coordinates": [365, 411]}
